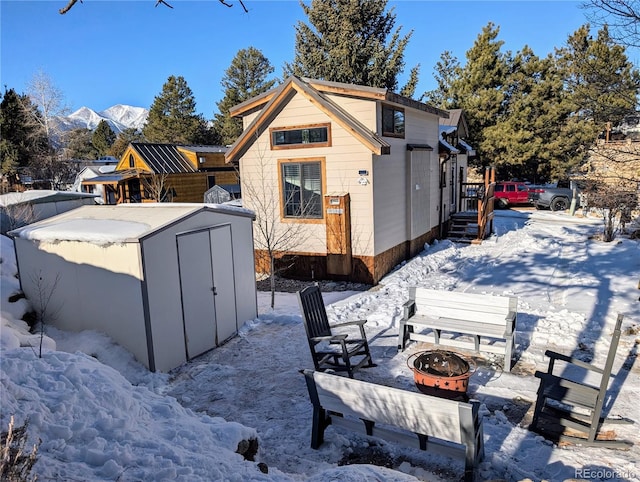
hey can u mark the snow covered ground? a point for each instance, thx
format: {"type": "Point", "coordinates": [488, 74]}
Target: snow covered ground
{"type": "Point", "coordinates": [101, 416]}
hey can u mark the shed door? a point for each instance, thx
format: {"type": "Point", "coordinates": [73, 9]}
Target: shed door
{"type": "Point", "coordinates": [224, 282]}
{"type": "Point", "coordinates": [207, 288]}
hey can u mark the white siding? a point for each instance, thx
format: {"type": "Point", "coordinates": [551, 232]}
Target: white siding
{"type": "Point", "coordinates": [344, 159]}
{"type": "Point", "coordinates": [403, 211]}
{"type": "Point", "coordinates": [99, 288]}
{"type": "Point", "coordinates": [163, 282]}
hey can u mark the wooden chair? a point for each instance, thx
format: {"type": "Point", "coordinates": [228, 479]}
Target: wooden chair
{"type": "Point", "coordinates": [559, 398]}
{"type": "Point", "coordinates": [331, 351]}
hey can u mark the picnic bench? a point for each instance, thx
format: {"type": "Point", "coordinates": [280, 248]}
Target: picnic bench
{"type": "Point", "coordinates": [490, 321]}
{"type": "Point", "coordinates": [438, 425]}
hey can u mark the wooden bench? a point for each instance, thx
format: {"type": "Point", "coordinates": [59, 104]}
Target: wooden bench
{"type": "Point", "coordinates": [439, 425]}
{"type": "Point", "coordinates": [489, 320]}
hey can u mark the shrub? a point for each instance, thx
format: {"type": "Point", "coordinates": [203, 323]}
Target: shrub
{"type": "Point", "coordinates": [15, 463]}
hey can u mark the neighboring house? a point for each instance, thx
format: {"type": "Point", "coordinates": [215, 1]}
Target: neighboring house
{"type": "Point", "coordinates": [20, 208]}
{"type": "Point", "coordinates": [91, 172]}
{"type": "Point", "coordinates": [165, 172]}
{"type": "Point", "coordinates": [455, 152]}
{"type": "Point", "coordinates": [359, 167]}
{"type": "Point", "coordinates": [166, 281]}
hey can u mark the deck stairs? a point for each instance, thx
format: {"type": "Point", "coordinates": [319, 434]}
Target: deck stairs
{"type": "Point", "coordinates": [463, 227]}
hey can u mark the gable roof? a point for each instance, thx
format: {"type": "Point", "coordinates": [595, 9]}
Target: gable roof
{"type": "Point", "coordinates": [163, 158]}
{"type": "Point", "coordinates": [274, 100]}
{"type": "Point", "coordinates": [120, 223]}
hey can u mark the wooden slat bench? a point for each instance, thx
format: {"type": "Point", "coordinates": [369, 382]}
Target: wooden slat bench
{"type": "Point", "coordinates": [489, 320]}
{"type": "Point", "coordinates": [439, 425]}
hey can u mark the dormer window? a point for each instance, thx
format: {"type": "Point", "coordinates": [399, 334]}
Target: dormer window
{"type": "Point", "coordinates": [392, 121]}
{"type": "Point", "coordinates": [316, 135]}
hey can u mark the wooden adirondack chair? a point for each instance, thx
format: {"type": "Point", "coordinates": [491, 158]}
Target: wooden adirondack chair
{"type": "Point", "coordinates": [570, 395]}
{"type": "Point", "coordinates": [331, 351]}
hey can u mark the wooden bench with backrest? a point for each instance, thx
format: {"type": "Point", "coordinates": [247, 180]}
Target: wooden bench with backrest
{"type": "Point", "coordinates": [439, 425]}
{"type": "Point", "coordinates": [490, 321]}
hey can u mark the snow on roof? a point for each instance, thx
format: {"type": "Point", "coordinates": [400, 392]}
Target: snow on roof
{"type": "Point", "coordinates": [95, 231]}
{"type": "Point", "coordinates": [449, 147]}
{"type": "Point", "coordinates": [447, 129]}
{"type": "Point", "coordinates": [40, 196]}
{"type": "Point", "coordinates": [465, 145]}
{"type": "Point", "coordinates": [120, 223]}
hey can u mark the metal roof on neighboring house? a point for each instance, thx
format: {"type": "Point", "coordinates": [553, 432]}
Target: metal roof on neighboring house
{"type": "Point", "coordinates": [203, 149]}
{"type": "Point", "coordinates": [163, 158]}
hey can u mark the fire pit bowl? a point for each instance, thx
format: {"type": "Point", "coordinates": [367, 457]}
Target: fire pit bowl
{"type": "Point", "coordinates": [440, 373]}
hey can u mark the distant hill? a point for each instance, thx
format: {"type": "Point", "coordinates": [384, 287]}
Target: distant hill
{"type": "Point", "coordinates": [119, 117]}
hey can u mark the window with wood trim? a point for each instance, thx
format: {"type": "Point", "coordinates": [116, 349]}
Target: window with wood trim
{"type": "Point", "coordinates": [392, 121]}
{"type": "Point", "coordinates": [132, 161]}
{"type": "Point", "coordinates": [316, 135]}
{"type": "Point", "coordinates": [301, 189]}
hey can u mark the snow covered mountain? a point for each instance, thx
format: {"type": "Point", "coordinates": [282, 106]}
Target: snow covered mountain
{"type": "Point", "coordinates": [119, 117]}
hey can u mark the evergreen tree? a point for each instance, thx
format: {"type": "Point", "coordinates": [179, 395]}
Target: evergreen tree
{"type": "Point", "coordinates": [600, 86]}
{"type": "Point", "coordinates": [246, 77]}
{"type": "Point", "coordinates": [535, 108]}
{"type": "Point", "coordinates": [348, 41]}
{"type": "Point", "coordinates": [447, 70]}
{"type": "Point", "coordinates": [479, 87]}
{"type": "Point", "coordinates": [103, 138]}
{"type": "Point", "coordinates": [80, 145]}
{"type": "Point", "coordinates": [172, 116]}
{"type": "Point", "coordinates": [123, 140]}
{"type": "Point", "coordinates": [599, 77]}
{"type": "Point", "coordinates": [21, 139]}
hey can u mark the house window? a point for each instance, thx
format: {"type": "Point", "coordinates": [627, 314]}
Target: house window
{"type": "Point", "coordinates": [202, 159]}
{"type": "Point", "coordinates": [317, 135]}
{"type": "Point", "coordinates": [132, 161]}
{"type": "Point", "coordinates": [392, 121]}
{"type": "Point", "coordinates": [301, 189]}
{"type": "Point", "coordinates": [211, 181]}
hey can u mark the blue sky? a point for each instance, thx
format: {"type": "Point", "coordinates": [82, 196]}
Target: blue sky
{"type": "Point", "coordinates": [103, 53]}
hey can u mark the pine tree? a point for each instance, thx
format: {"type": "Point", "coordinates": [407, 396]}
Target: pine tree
{"type": "Point", "coordinates": [535, 108]}
{"type": "Point", "coordinates": [350, 41]}
{"type": "Point", "coordinates": [600, 78]}
{"type": "Point", "coordinates": [123, 140]}
{"type": "Point", "coordinates": [21, 139]}
{"type": "Point", "coordinates": [447, 70]}
{"type": "Point", "coordinates": [172, 116]}
{"type": "Point", "coordinates": [479, 87]}
{"type": "Point", "coordinates": [103, 138]}
{"type": "Point", "coordinates": [246, 77]}
{"type": "Point", "coordinates": [80, 145]}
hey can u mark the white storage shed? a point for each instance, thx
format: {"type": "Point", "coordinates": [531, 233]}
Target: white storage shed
{"type": "Point", "coordinates": [166, 281]}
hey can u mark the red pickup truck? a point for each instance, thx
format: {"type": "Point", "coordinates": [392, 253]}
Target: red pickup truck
{"type": "Point", "coordinates": [508, 193]}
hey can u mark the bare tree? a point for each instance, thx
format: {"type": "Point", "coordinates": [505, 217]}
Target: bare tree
{"type": "Point", "coordinates": [612, 181]}
{"type": "Point", "coordinates": [226, 3]}
{"type": "Point", "coordinates": [274, 238]}
{"type": "Point", "coordinates": [45, 312]}
{"type": "Point", "coordinates": [615, 203]}
{"type": "Point", "coordinates": [622, 17]}
{"type": "Point", "coordinates": [49, 100]}
{"type": "Point", "coordinates": [157, 188]}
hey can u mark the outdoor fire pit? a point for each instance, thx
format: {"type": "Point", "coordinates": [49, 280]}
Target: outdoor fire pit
{"type": "Point", "coordinates": [440, 373]}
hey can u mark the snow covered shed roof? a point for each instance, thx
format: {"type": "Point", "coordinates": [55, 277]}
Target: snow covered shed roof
{"type": "Point", "coordinates": [122, 223]}
{"type": "Point", "coordinates": [38, 196]}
